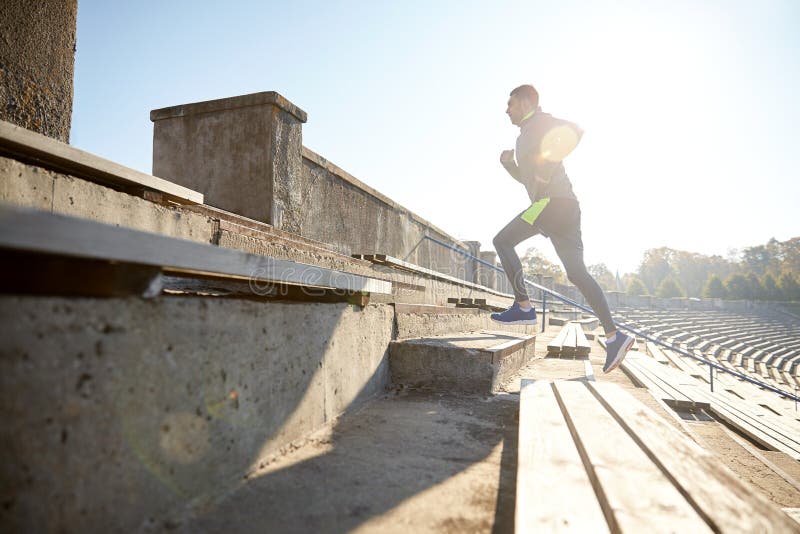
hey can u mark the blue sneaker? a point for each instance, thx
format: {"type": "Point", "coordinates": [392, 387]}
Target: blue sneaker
{"type": "Point", "coordinates": [515, 315]}
{"type": "Point", "coordinates": [616, 351]}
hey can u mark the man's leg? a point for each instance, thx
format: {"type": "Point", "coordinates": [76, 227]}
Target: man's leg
{"type": "Point", "coordinates": [515, 232]}
{"type": "Point", "coordinates": [512, 235]}
{"type": "Point", "coordinates": [570, 251]}
{"type": "Point", "coordinates": [571, 255]}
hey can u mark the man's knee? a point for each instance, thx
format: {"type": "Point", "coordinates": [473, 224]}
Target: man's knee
{"type": "Point", "coordinates": [578, 275]}
{"type": "Point", "coordinates": [499, 241]}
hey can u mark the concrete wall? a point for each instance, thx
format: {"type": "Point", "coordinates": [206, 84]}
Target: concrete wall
{"type": "Point", "coordinates": [37, 59]}
{"type": "Point", "coordinates": [33, 187]}
{"type": "Point", "coordinates": [245, 155]}
{"type": "Point", "coordinates": [119, 413]}
{"type": "Point", "coordinates": [338, 209]}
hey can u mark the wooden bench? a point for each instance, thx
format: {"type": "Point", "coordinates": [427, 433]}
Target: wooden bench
{"type": "Point", "coordinates": [678, 389]}
{"type": "Point", "coordinates": [570, 342]}
{"type": "Point", "coordinates": [592, 458]}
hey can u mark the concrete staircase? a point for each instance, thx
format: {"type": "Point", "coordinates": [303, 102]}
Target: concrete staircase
{"type": "Point", "coordinates": [474, 362]}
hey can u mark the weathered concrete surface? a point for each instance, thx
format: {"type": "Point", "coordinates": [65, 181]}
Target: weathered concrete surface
{"type": "Point", "coordinates": [334, 207]}
{"type": "Point", "coordinates": [33, 187]}
{"type": "Point", "coordinates": [116, 411]}
{"type": "Point", "coordinates": [456, 362]}
{"type": "Point", "coordinates": [411, 325]}
{"type": "Point", "coordinates": [243, 153]}
{"type": "Point", "coordinates": [414, 462]}
{"type": "Point", "coordinates": [37, 60]}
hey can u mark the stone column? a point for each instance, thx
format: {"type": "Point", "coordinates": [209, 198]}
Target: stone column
{"type": "Point", "coordinates": [243, 153]}
{"type": "Point", "coordinates": [37, 61]}
{"type": "Point", "coordinates": [474, 249]}
{"type": "Point", "coordinates": [488, 276]}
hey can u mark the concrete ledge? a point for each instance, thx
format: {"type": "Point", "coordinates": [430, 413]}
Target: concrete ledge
{"type": "Point", "coordinates": [235, 102]}
{"type": "Point", "coordinates": [475, 362]}
{"type": "Point", "coordinates": [320, 161]}
{"type": "Point", "coordinates": [56, 155]}
{"type": "Point", "coordinates": [46, 233]}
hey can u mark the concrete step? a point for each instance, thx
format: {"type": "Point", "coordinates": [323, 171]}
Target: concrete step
{"type": "Point", "coordinates": [473, 362]}
{"type": "Point", "coordinates": [419, 320]}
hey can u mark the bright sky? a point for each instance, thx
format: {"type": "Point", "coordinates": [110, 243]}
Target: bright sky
{"type": "Point", "coordinates": [689, 107]}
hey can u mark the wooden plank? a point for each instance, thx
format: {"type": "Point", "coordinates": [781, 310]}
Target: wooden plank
{"type": "Point", "coordinates": [654, 351]}
{"type": "Point", "coordinates": [660, 390]}
{"type": "Point", "coordinates": [60, 235]}
{"type": "Point", "coordinates": [554, 492]}
{"type": "Point", "coordinates": [568, 348]}
{"type": "Point", "coordinates": [504, 349]}
{"type": "Point", "coordinates": [582, 346]}
{"type": "Point", "coordinates": [636, 496]}
{"type": "Point", "coordinates": [764, 432]}
{"type": "Point", "coordinates": [52, 154]}
{"type": "Point", "coordinates": [554, 346]}
{"type": "Point", "coordinates": [715, 492]}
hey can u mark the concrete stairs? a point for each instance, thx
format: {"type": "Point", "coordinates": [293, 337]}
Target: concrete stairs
{"type": "Point", "coordinates": [473, 362]}
{"type": "Point", "coordinates": [456, 349]}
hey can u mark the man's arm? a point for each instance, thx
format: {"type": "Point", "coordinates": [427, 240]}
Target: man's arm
{"type": "Point", "coordinates": [507, 160]}
{"type": "Point", "coordinates": [556, 145]}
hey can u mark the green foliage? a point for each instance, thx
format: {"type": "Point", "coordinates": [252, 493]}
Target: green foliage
{"type": "Point", "coordinates": [534, 263]}
{"type": "Point", "coordinates": [738, 287]}
{"type": "Point", "coordinates": [756, 290]}
{"type": "Point", "coordinates": [669, 288]}
{"type": "Point", "coordinates": [789, 287]}
{"type": "Point", "coordinates": [692, 271]}
{"type": "Point", "coordinates": [636, 287]}
{"type": "Point", "coordinates": [714, 288]}
{"type": "Point", "coordinates": [770, 286]}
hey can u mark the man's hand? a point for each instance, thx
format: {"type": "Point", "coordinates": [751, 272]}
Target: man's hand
{"type": "Point", "coordinates": [507, 157]}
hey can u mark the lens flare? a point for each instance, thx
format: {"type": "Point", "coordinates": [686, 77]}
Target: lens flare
{"type": "Point", "coordinates": [558, 143]}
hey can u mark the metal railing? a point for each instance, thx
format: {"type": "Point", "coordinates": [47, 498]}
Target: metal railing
{"type": "Point", "coordinates": [711, 365]}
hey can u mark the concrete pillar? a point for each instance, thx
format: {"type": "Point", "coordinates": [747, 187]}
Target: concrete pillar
{"type": "Point", "coordinates": [487, 275]}
{"type": "Point", "coordinates": [37, 61]}
{"type": "Point", "coordinates": [474, 249]}
{"type": "Point", "coordinates": [243, 153]}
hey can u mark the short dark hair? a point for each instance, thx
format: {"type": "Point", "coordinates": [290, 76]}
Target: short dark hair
{"type": "Point", "coordinates": [527, 92]}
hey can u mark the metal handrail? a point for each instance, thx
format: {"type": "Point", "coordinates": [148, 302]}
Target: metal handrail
{"type": "Point", "coordinates": [567, 300]}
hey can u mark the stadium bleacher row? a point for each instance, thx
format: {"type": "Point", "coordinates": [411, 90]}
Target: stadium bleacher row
{"type": "Point", "coordinates": [767, 348]}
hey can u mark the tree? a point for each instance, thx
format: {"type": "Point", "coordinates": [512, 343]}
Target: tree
{"type": "Point", "coordinates": [655, 267]}
{"type": "Point", "coordinates": [636, 287]}
{"type": "Point", "coordinates": [534, 263]}
{"type": "Point", "coordinates": [789, 288]}
{"type": "Point", "coordinates": [714, 288]}
{"type": "Point", "coordinates": [669, 288]}
{"type": "Point", "coordinates": [603, 276]}
{"type": "Point", "coordinates": [771, 291]}
{"type": "Point", "coordinates": [737, 287]}
{"type": "Point", "coordinates": [755, 287]}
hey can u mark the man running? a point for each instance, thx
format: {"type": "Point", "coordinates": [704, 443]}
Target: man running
{"type": "Point", "coordinates": [544, 141]}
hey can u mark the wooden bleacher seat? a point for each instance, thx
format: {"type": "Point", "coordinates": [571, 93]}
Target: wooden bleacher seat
{"type": "Point", "coordinates": [592, 458]}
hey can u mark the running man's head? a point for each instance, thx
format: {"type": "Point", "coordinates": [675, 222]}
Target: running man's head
{"type": "Point", "coordinates": [522, 101]}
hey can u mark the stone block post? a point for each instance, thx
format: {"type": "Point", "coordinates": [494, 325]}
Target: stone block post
{"type": "Point", "coordinates": [487, 275]}
{"type": "Point", "coordinates": [471, 266]}
{"type": "Point", "coordinates": [243, 153]}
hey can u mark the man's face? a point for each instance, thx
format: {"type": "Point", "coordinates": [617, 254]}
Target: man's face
{"type": "Point", "coordinates": [517, 108]}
